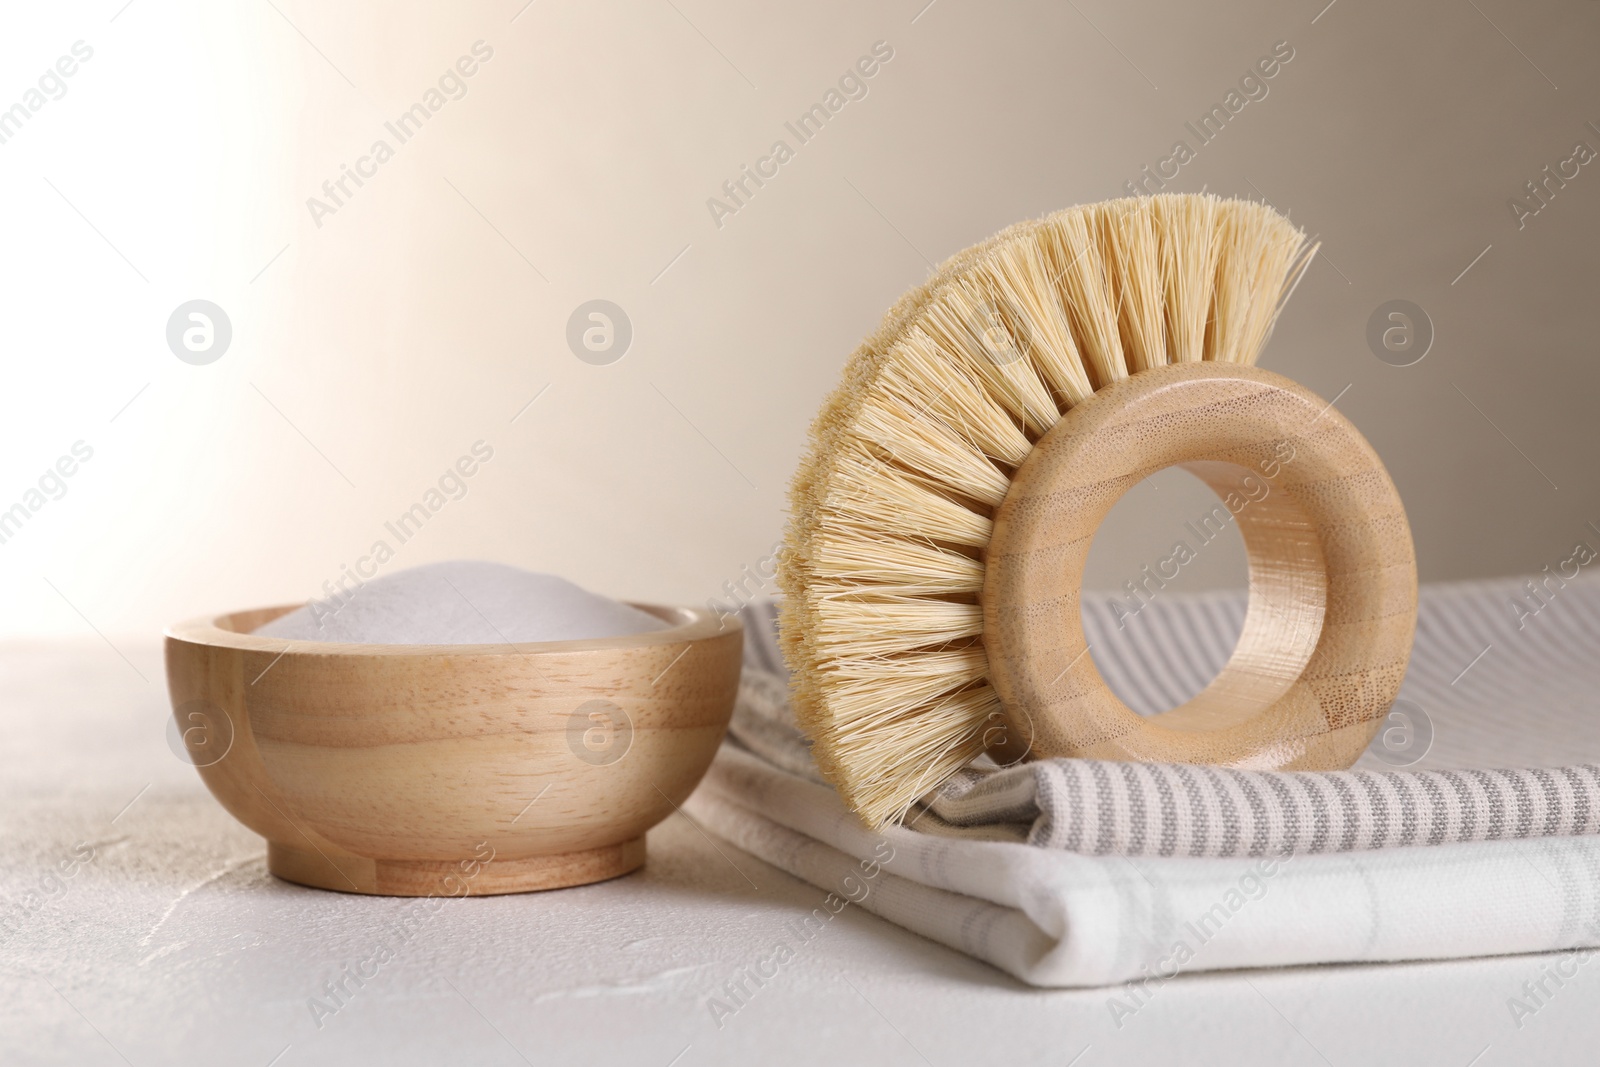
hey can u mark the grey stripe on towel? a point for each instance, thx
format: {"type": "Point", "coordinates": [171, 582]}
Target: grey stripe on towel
{"type": "Point", "coordinates": [1524, 699]}
{"type": "Point", "coordinates": [1152, 811]}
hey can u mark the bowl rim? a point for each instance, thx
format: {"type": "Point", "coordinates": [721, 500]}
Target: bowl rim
{"type": "Point", "coordinates": [693, 624]}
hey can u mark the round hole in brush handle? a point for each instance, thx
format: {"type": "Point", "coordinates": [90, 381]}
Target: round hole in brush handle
{"type": "Point", "coordinates": [1333, 583]}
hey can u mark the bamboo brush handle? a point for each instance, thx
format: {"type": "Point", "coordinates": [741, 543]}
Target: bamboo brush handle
{"type": "Point", "coordinates": [1333, 586]}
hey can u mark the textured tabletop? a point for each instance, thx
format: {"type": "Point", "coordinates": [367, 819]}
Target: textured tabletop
{"type": "Point", "coordinates": [140, 926]}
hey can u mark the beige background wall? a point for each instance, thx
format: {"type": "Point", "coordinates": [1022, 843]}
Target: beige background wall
{"type": "Point", "coordinates": [371, 351]}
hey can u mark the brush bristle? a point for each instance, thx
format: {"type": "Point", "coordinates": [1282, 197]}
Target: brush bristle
{"type": "Point", "coordinates": [892, 507]}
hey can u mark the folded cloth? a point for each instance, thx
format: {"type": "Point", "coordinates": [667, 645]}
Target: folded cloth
{"type": "Point", "coordinates": [1168, 809]}
{"type": "Point", "coordinates": [1069, 872]}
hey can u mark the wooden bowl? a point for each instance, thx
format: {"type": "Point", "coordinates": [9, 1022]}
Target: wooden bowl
{"type": "Point", "coordinates": [420, 770]}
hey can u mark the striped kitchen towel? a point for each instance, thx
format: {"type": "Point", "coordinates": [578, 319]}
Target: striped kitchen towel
{"type": "Point", "coordinates": [1069, 872]}
{"type": "Point", "coordinates": [1137, 809]}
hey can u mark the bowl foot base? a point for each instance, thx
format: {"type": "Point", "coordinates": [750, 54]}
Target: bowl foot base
{"type": "Point", "coordinates": [446, 878]}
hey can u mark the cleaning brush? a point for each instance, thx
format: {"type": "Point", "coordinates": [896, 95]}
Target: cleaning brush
{"type": "Point", "coordinates": [905, 669]}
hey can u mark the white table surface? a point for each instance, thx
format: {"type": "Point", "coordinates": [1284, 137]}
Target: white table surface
{"type": "Point", "coordinates": [175, 946]}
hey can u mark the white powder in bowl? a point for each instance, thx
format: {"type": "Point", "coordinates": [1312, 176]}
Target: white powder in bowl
{"type": "Point", "coordinates": [461, 603]}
